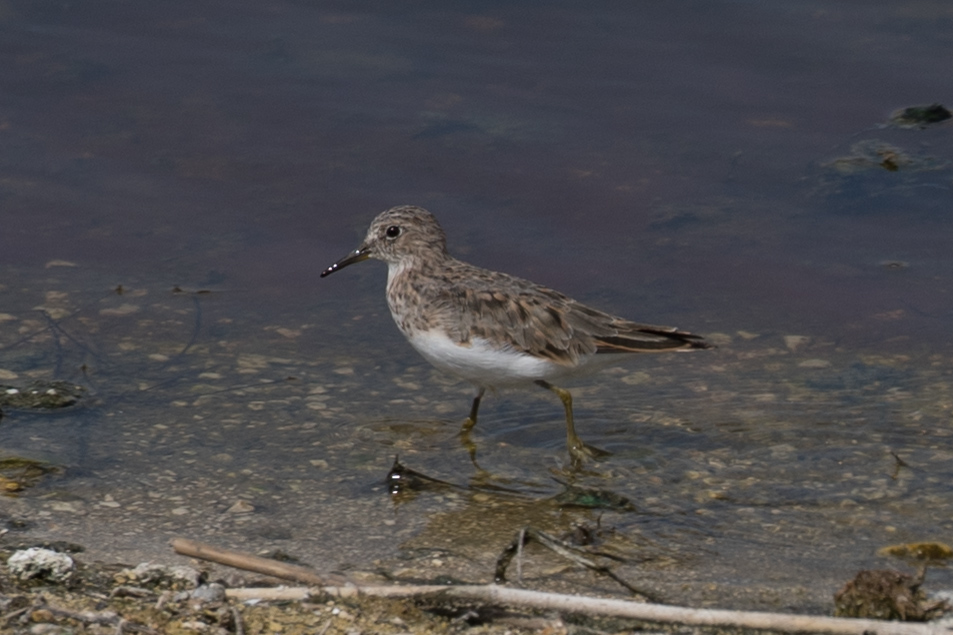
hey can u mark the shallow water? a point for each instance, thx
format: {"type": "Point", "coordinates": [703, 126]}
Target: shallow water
{"type": "Point", "coordinates": [717, 166]}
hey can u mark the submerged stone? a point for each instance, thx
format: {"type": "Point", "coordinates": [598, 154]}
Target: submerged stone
{"type": "Point", "coordinates": [41, 395]}
{"type": "Point", "coordinates": [919, 116]}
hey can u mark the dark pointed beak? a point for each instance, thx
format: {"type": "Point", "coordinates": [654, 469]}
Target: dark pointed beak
{"type": "Point", "coordinates": [359, 254]}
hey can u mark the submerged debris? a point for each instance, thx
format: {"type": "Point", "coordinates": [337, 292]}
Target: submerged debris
{"type": "Point", "coordinates": [575, 496]}
{"type": "Point", "coordinates": [403, 481]}
{"type": "Point", "coordinates": [886, 595]}
{"type": "Point", "coordinates": [875, 154]}
{"type": "Point", "coordinates": [19, 473]}
{"type": "Point", "coordinates": [41, 395]}
{"type": "Point", "coordinates": [569, 552]}
{"type": "Point", "coordinates": [919, 116]}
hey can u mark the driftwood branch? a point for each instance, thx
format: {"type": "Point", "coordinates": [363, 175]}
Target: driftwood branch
{"type": "Point", "coordinates": [659, 613]}
{"type": "Point", "coordinates": [249, 562]}
{"type": "Point", "coordinates": [499, 595]}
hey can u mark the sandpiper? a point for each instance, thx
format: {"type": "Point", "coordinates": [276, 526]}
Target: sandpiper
{"type": "Point", "coordinates": [491, 328]}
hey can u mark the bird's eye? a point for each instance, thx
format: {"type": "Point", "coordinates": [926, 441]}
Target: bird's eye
{"type": "Point", "coordinates": [393, 231]}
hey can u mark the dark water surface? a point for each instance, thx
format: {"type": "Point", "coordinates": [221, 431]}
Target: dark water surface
{"type": "Point", "coordinates": [722, 166]}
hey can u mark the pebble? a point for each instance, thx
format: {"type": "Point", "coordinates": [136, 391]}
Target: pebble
{"type": "Point", "coordinates": [121, 310]}
{"type": "Point", "coordinates": [241, 507]}
{"type": "Point", "coordinates": [160, 575]}
{"type": "Point", "coordinates": [794, 342]}
{"type": "Point", "coordinates": [213, 592]}
{"type": "Point", "coordinates": [108, 501]}
{"type": "Point", "coordinates": [65, 506]}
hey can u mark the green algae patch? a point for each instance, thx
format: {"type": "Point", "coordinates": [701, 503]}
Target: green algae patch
{"type": "Point", "coordinates": [18, 474]}
{"type": "Point", "coordinates": [918, 551]}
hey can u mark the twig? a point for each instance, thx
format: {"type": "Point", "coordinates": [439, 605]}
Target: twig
{"type": "Point", "coordinates": [124, 591]}
{"type": "Point", "coordinates": [56, 329]}
{"type": "Point", "coordinates": [9, 617]}
{"type": "Point", "coordinates": [898, 463]}
{"type": "Point", "coordinates": [566, 551]}
{"type": "Point", "coordinates": [249, 562]}
{"type": "Point", "coordinates": [196, 328]}
{"type": "Point", "coordinates": [163, 600]}
{"type": "Point", "coordinates": [520, 542]}
{"type": "Point", "coordinates": [237, 618]}
{"type": "Point", "coordinates": [500, 595]}
{"type": "Point", "coordinates": [55, 332]}
{"type": "Point", "coordinates": [660, 613]}
{"type": "Point", "coordinates": [282, 593]}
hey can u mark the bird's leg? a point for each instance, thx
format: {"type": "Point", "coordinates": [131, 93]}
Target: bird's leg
{"type": "Point", "coordinates": [472, 418]}
{"type": "Point", "coordinates": [573, 442]}
{"type": "Point", "coordinates": [468, 425]}
{"type": "Point", "coordinates": [578, 451]}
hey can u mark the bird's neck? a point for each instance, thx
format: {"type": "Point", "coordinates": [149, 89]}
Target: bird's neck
{"type": "Point", "coordinates": [416, 267]}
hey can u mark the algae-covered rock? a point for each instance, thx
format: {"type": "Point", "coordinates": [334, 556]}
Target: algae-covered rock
{"type": "Point", "coordinates": [886, 595]}
{"type": "Point", "coordinates": [41, 395]}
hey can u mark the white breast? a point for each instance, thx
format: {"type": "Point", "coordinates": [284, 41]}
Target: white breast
{"type": "Point", "coordinates": [483, 364]}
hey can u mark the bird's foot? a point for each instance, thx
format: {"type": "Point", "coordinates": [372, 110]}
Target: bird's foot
{"type": "Point", "coordinates": [469, 445]}
{"type": "Point", "coordinates": [580, 452]}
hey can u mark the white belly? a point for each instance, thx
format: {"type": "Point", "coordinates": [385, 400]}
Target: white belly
{"type": "Point", "coordinates": [485, 365]}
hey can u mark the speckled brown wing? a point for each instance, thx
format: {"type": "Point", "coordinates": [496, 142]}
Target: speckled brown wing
{"type": "Point", "coordinates": [631, 337]}
{"type": "Point", "coordinates": [543, 322]}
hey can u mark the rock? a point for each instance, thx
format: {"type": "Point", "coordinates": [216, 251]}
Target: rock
{"type": "Point", "coordinates": [161, 576]}
{"type": "Point", "coordinates": [35, 563]}
{"type": "Point", "coordinates": [42, 395]}
{"type": "Point", "coordinates": [213, 592]}
{"type": "Point", "coordinates": [240, 507]}
{"type": "Point", "coordinates": [919, 116]}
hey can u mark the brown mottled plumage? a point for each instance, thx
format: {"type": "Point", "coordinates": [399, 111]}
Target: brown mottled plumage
{"type": "Point", "coordinates": [492, 328]}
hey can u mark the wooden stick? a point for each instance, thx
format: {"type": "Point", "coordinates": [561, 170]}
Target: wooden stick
{"type": "Point", "coordinates": [273, 594]}
{"type": "Point", "coordinates": [662, 613]}
{"type": "Point", "coordinates": [699, 617]}
{"type": "Point", "coordinates": [249, 562]}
